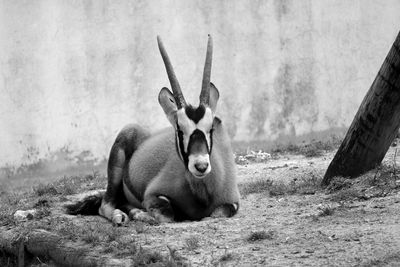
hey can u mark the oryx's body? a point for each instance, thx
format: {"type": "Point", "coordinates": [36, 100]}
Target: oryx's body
{"type": "Point", "coordinates": [184, 172]}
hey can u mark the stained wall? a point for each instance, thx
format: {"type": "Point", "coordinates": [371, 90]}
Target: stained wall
{"type": "Point", "coordinates": [72, 73]}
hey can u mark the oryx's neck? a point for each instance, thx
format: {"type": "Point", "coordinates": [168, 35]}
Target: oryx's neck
{"type": "Point", "coordinates": [202, 189]}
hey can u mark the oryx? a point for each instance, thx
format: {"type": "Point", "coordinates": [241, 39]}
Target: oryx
{"type": "Point", "coordinates": [184, 172]}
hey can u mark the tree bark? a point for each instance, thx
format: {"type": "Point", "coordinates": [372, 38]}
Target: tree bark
{"type": "Point", "coordinates": [375, 125]}
{"type": "Point", "coordinates": [41, 243]}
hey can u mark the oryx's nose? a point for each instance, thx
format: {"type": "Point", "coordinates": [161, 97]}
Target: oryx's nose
{"type": "Point", "coordinates": [201, 167]}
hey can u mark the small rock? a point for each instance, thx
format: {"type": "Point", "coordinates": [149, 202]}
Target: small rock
{"type": "Point", "coordinates": [23, 215]}
{"type": "Point", "coordinates": [332, 237]}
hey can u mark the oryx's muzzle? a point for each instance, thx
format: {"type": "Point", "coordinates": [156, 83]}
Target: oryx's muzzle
{"type": "Point", "coordinates": [199, 154]}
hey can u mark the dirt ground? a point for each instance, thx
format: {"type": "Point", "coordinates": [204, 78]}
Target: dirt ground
{"type": "Point", "coordinates": [289, 229]}
{"type": "Point", "coordinates": [356, 225]}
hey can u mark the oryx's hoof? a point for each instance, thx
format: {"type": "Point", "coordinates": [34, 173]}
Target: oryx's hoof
{"type": "Point", "coordinates": [226, 210]}
{"type": "Point", "coordinates": [140, 215]}
{"type": "Point", "coordinates": [162, 218]}
{"type": "Point", "coordinates": [119, 218]}
{"type": "Point", "coordinates": [162, 210]}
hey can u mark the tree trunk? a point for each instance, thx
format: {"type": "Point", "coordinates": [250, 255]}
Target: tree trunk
{"type": "Point", "coordinates": [375, 125]}
{"type": "Point", "coordinates": [62, 252]}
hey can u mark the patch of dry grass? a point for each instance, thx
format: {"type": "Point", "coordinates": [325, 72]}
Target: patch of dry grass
{"type": "Point", "coordinates": [326, 210]}
{"type": "Point", "coordinates": [144, 257]}
{"type": "Point", "coordinates": [104, 237]}
{"type": "Point", "coordinates": [228, 256]}
{"type": "Point", "coordinates": [310, 149]}
{"type": "Point", "coordinates": [71, 185]}
{"type": "Point", "coordinates": [390, 259]}
{"type": "Point", "coordinates": [261, 235]}
{"type": "Point", "coordinates": [41, 196]}
{"type": "Point", "coordinates": [309, 184]}
{"type": "Point", "coordinates": [256, 186]}
{"type": "Point", "coordinates": [376, 183]}
{"type": "Point", "coordinates": [313, 148]}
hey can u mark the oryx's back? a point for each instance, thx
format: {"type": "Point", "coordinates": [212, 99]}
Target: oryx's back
{"type": "Point", "coordinates": [151, 157]}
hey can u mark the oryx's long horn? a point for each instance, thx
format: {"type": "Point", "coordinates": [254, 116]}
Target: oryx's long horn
{"type": "Point", "coordinates": [205, 87]}
{"type": "Point", "coordinates": [176, 88]}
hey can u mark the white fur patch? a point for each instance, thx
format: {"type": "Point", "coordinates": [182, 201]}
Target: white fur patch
{"type": "Point", "coordinates": [187, 126]}
{"type": "Point", "coordinates": [205, 125]}
{"type": "Point", "coordinates": [199, 158]}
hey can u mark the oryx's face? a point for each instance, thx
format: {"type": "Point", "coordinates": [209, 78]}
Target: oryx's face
{"type": "Point", "coordinates": [193, 125]}
{"type": "Point", "coordinates": [194, 138]}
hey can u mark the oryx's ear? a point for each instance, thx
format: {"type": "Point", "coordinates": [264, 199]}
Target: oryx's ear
{"type": "Point", "coordinates": [214, 96]}
{"type": "Point", "coordinates": [167, 102]}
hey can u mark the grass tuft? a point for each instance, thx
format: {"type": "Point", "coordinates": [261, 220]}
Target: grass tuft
{"type": "Point", "coordinates": [192, 243]}
{"type": "Point", "coordinates": [174, 258]}
{"type": "Point", "coordinates": [45, 189]}
{"type": "Point", "coordinates": [228, 256]}
{"type": "Point", "coordinates": [144, 257]}
{"type": "Point", "coordinates": [261, 235]}
{"type": "Point", "coordinates": [42, 212]}
{"type": "Point", "coordinates": [325, 210]}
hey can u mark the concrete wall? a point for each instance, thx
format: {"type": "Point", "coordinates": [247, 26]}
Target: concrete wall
{"type": "Point", "coordinates": [74, 72]}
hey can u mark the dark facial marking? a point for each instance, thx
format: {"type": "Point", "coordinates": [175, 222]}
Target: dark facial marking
{"type": "Point", "coordinates": [198, 143]}
{"type": "Point", "coordinates": [195, 114]}
{"type": "Point", "coordinates": [180, 147]}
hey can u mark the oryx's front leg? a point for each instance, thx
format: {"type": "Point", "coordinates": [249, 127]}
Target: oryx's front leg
{"type": "Point", "coordinates": [225, 210]}
{"type": "Point", "coordinates": [109, 211]}
{"type": "Point", "coordinates": [126, 143]}
{"type": "Point", "coordinates": [110, 200]}
{"type": "Point", "coordinates": [159, 207]}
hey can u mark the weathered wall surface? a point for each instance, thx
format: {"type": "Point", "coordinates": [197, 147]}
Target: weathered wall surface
{"type": "Point", "coordinates": [73, 73]}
